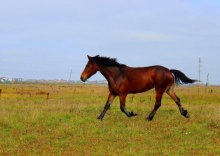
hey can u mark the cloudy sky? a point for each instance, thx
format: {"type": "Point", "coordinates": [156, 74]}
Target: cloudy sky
{"type": "Point", "coordinates": [45, 39]}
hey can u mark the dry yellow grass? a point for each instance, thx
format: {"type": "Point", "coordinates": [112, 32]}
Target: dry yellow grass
{"type": "Point", "coordinates": [64, 123]}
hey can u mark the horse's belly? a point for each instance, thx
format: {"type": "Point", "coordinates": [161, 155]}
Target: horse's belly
{"type": "Point", "coordinates": [139, 88]}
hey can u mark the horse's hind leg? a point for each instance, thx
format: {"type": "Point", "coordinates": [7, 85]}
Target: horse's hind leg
{"type": "Point", "coordinates": [171, 93]}
{"type": "Point", "coordinates": [156, 106]}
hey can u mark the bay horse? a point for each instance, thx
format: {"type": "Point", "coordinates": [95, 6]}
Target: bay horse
{"type": "Point", "coordinates": [124, 80]}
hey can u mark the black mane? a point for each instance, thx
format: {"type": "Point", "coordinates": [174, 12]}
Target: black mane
{"type": "Point", "coordinates": [107, 61]}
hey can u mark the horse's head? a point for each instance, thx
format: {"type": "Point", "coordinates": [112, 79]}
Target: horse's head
{"type": "Point", "coordinates": [90, 69]}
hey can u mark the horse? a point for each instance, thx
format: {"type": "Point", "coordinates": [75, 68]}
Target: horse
{"type": "Point", "coordinates": [124, 80]}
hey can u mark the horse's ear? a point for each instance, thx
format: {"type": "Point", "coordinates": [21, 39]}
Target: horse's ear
{"type": "Point", "coordinates": [90, 58]}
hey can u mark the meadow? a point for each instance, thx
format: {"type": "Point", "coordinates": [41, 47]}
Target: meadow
{"type": "Point", "coordinates": [61, 119]}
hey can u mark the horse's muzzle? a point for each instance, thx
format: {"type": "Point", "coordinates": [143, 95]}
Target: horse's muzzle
{"type": "Point", "coordinates": [83, 79]}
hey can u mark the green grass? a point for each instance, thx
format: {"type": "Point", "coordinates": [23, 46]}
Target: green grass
{"type": "Point", "coordinates": [66, 124]}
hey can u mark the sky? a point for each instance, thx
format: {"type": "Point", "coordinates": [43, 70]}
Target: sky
{"type": "Point", "coordinates": [46, 39]}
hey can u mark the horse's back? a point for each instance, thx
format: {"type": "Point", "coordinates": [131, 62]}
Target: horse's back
{"type": "Point", "coordinates": [141, 79]}
{"type": "Point", "coordinates": [148, 72]}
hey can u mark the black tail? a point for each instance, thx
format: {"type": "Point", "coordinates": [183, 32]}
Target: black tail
{"type": "Point", "coordinates": [180, 77]}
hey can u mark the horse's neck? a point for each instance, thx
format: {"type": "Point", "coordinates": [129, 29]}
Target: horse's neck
{"type": "Point", "coordinates": [109, 72]}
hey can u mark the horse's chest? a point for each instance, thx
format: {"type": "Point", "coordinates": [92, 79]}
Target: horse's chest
{"type": "Point", "coordinates": [119, 87]}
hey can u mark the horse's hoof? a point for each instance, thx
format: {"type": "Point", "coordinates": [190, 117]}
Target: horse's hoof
{"type": "Point", "coordinates": [133, 114]}
{"type": "Point", "coordinates": [186, 114]}
{"type": "Point", "coordinates": [100, 118]}
{"type": "Point", "coordinates": [149, 118]}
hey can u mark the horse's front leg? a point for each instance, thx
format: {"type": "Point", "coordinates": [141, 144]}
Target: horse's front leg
{"type": "Point", "coordinates": [122, 106]}
{"type": "Point", "coordinates": [111, 97]}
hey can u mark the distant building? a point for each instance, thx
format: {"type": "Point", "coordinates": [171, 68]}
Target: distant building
{"type": "Point", "coordinates": [15, 80]}
{"type": "Point", "coordinates": [2, 79]}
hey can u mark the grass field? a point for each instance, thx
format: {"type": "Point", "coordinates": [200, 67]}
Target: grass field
{"type": "Point", "coordinates": [60, 119]}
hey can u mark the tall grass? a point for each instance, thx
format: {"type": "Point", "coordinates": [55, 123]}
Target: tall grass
{"type": "Point", "coordinates": [66, 124]}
